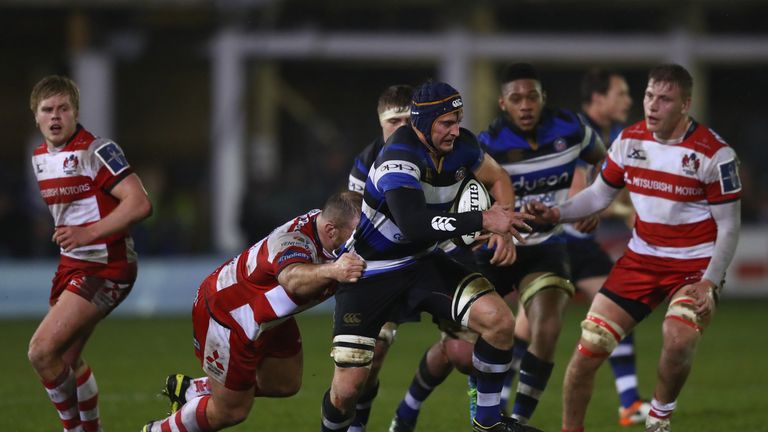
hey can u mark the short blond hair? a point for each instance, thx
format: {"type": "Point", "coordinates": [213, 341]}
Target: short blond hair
{"type": "Point", "coordinates": [53, 85]}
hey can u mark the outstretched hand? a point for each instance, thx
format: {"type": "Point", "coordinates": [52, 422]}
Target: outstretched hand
{"type": "Point", "coordinates": [542, 214]}
{"type": "Point", "coordinates": [588, 224]}
{"type": "Point", "coordinates": [503, 220]}
{"type": "Point", "coordinates": [349, 267]}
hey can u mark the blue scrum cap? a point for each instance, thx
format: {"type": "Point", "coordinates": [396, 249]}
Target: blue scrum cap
{"type": "Point", "coordinates": [431, 100]}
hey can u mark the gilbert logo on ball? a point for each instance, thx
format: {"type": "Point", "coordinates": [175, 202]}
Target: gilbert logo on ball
{"type": "Point", "coordinates": [472, 196]}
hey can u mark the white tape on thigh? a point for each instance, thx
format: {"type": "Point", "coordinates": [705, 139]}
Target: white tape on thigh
{"type": "Point", "coordinates": [470, 289]}
{"type": "Point", "coordinates": [602, 332]}
{"type": "Point", "coordinates": [683, 309]}
{"type": "Point", "coordinates": [352, 351]}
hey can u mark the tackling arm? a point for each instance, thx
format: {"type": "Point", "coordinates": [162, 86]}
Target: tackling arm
{"type": "Point", "coordinates": [306, 281]}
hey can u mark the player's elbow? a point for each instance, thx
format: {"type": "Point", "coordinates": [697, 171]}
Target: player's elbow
{"type": "Point", "coordinates": [144, 208]}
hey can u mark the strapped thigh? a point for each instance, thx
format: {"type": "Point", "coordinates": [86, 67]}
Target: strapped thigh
{"type": "Point", "coordinates": [545, 281]}
{"type": "Point", "coordinates": [602, 332]}
{"type": "Point", "coordinates": [683, 309]}
{"type": "Point", "coordinates": [469, 290]}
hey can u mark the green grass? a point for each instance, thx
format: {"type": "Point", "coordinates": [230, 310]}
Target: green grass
{"type": "Point", "coordinates": [727, 390]}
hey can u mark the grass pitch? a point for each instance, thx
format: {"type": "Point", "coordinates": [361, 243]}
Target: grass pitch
{"type": "Point", "coordinates": [727, 390]}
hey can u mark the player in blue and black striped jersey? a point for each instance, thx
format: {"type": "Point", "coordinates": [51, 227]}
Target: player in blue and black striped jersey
{"type": "Point", "coordinates": [539, 148]}
{"type": "Point", "coordinates": [407, 198]}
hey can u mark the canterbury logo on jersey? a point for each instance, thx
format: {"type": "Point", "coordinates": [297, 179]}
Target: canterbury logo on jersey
{"type": "Point", "coordinates": [443, 223]}
{"type": "Point", "coordinates": [353, 318]}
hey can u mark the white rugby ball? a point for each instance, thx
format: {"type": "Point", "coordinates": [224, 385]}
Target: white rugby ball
{"type": "Point", "coordinates": [472, 196]}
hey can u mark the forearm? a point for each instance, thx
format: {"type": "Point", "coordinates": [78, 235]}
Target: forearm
{"type": "Point", "coordinates": [503, 193]}
{"type": "Point", "coordinates": [419, 223]}
{"type": "Point", "coordinates": [130, 210]}
{"type": "Point", "coordinates": [306, 281]}
{"type": "Point", "coordinates": [728, 219]}
{"type": "Point", "coordinates": [589, 201]}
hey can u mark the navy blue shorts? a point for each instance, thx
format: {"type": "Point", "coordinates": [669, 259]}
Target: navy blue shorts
{"type": "Point", "coordinates": [550, 258]}
{"type": "Point", "coordinates": [588, 259]}
{"type": "Point", "coordinates": [427, 285]}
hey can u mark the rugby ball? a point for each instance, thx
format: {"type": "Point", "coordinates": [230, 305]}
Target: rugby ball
{"type": "Point", "coordinates": [472, 196]}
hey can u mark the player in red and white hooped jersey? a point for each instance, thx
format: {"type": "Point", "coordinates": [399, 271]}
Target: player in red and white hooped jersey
{"type": "Point", "coordinates": [684, 184]}
{"type": "Point", "coordinates": [245, 335]}
{"type": "Point", "coordinates": [75, 182]}
{"type": "Point", "coordinates": [94, 197]}
{"type": "Point", "coordinates": [672, 185]}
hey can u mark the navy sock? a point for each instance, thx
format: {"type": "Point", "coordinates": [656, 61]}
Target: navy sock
{"type": "Point", "coordinates": [534, 375]}
{"type": "Point", "coordinates": [491, 365]}
{"type": "Point", "coordinates": [421, 387]}
{"type": "Point", "coordinates": [622, 362]}
{"type": "Point", "coordinates": [333, 419]}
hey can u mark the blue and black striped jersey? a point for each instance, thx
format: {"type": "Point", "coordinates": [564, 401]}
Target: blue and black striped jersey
{"type": "Point", "coordinates": [546, 172]}
{"type": "Point", "coordinates": [405, 162]}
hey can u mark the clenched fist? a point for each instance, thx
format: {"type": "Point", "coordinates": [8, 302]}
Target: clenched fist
{"type": "Point", "coordinates": [349, 267]}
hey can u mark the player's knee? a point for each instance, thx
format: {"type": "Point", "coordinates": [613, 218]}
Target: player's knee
{"type": "Point", "coordinates": [504, 324]}
{"type": "Point", "coordinates": [229, 414]}
{"type": "Point", "coordinates": [350, 351]}
{"type": "Point", "coordinates": [471, 288]}
{"type": "Point", "coordinates": [599, 336]}
{"type": "Point", "coordinates": [682, 310]}
{"type": "Point", "coordinates": [345, 393]}
{"type": "Point", "coordinates": [39, 355]}
{"type": "Point", "coordinates": [680, 342]}
{"type": "Point", "coordinates": [544, 282]}
{"type": "Point", "coordinates": [459, 354]}
{"type": "Point", "coordinates": [236, 416]}
{"type": "Point", "coordinates": [287, 386]}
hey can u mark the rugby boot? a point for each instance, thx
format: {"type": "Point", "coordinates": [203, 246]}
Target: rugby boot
{"type": "Point", "coordinates": [654, 424]}
{"type": "Point", "coordinates": [401, 425]}
{"type": "Point", "coordinates": [472, 394]}
{"type": "Point", "coordinates": [507, 424]}
{"type": "Point", "coordinates": [635, 413]}
{"type": "Point", "coordinates": [148, 427]}
{"type": "Point", "coordinates": [175, 389]}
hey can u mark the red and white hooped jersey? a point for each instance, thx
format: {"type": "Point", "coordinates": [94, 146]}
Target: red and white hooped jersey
{"type": "Point", "coordinates": [672, 186]}
{"type": "Point", "coordinates": [75, 181]}
{"type": "Point", "coordinates": [247, 296]}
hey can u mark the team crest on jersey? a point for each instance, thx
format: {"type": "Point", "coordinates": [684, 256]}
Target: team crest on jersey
{"type": "Point", "coordinates": [112, 157]}
{"type": "Point", "coordinates": [70, 164]}
{"type": "Point", "coordinates": [691, 164]}
{"type": "Point", "coordinates": [461, 173]}
{"type": "Point", "coordinates": [560, 144]}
